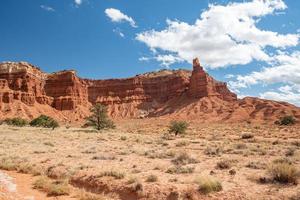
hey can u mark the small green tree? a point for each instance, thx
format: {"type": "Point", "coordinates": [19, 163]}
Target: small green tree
{"type": "Point", "coordinates": [178, 127]}
{"type": "Point", "coordinates": [99, 118]}
{"type": "Point", "coordinates": [44, 121]}
{"type": "Point", "coordinates": [16, 122]}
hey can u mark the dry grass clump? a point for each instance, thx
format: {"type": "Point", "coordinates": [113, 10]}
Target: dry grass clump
{"type": "Point", "coordinates": [224, 164]}
{"type": "Point", "coordinates": [290, 152]}
{"type": "Point", "coordinates": [182, 143]}
{"type": "Point", "coordinates": [27, 168]}
{"type": "Point", "coordinates": [114, 174]}
{"type": "Point", "coordinates": [52, 188]}
{"type": "Point", "coordinates": [256, 165]}
{"type": "Point", "coordinates": [184, 158]}
{"type": "Point", "coordinates": [213, 150]}
{"type": "Point", "coordinates": [8, 164]}
{"type": "Point", "coordinates": [283, 172]}
{"type": "Point", "coordinates": [208, 184]}
{"type": "Point", "coordinates": [247, 136]}
{"type": "Point", "coordinates": [152, 178]}
{"type": "Point", "coordinates": [180, 170]}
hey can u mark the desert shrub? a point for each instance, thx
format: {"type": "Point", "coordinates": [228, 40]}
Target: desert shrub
{"type": "Point", "coordinates": [182, 143]}
{"type": "Point", "coordinates": [283, 172]}
{"type": "Point", "coordinates": [115, 174]}
{"type": "Point", "coordinates": [247, 136]}
{"type": "Point", "coordinates": [56, 188]}
{"type": "Point", "coordinates": [208, 184]}
{"type": "Point", "coordinates": [8, 164]}
{"type": "Point", "coordinates": [123, 138]}
{"type": "Point", "coordinates": [180, 170]}
{"type": "Point", "coordinates": [44, 121]}
{"type": "Point", "coordinates": [42, 183]}
{"type": "Point", "coordinates": [213, 150]}
{"type": "Point", "coordinates": [290, 151]}
{"type": "Point", "coordinates": [184, 158]}
{"type": "Point", "coordinates": [99, 118]}
{"type": "Point", "coordinates": [224, 164]}
{"type": "Point", "coordinates": [286, 120]}
{"type": "Point", "coordinates": [16, 122]}
{"type": "Point", "coordinates": [178, 127]}
{"type": "Point", "coordinates": [152, 178]}
{"type": "Point", "coordinates": [256, 165]}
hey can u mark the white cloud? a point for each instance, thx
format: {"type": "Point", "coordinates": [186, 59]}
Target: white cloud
{"type": "Point", "coordinates": [224, 35]}
{"type": "Point", "coordinates": [286, 93]}
{"type": "Point", "coordinates": [117, 16]}
{"type": "Point", "coordinates": [165, 60]}
{"type": "Point", "coordinates": [143, 58]}
{"type": "Point", "coordinates": [286, 69]}
{"type": "Point", "coordinates": [47, 8]}
{"type": "Point", "coordinates": [229, 76]}
{"type": "Point", "coordinates": [78, 2]}
{"type": "Point", "coordinates": [119, 32]}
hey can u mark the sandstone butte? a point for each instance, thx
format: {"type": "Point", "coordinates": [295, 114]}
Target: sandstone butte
{"type": "Point", "coordinates": [27, 92]}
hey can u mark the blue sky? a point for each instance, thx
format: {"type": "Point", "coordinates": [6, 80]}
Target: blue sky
{"type": "Point", "coordinates": [253, 45]}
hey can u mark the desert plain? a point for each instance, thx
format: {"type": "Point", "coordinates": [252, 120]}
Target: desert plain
{"type": "Point", "coordinates": [140, 159]}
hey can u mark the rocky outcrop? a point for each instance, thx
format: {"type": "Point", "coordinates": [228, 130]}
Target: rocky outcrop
{"type": "Point", "coordinates": [203, 85]}
{"type": "Point", "coordinates": [27, 91]}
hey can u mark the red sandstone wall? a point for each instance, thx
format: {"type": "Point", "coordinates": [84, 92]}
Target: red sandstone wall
{"type": "Point", "coordinates": [65, 91]}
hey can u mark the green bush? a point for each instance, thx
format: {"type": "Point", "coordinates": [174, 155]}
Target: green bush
{"type": "Point", "coordinates": [44, 121]}
{"type": "Point", "coordinates": [16, 122]}
{"type": "Point", "coordinates": [99, 118]}
{"type": "Point", "coordinates": [178, 127]}
{"type": "Point", "coordinates": [286, 120]}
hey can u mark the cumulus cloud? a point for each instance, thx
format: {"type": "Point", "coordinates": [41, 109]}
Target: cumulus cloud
{"type": "Point", "coordinates": [117, 16]}
{"type": "Point", "coordinates": [285, 70]}
{"type": "Point", "coordinates": [222, 36]}
{"type": "Point", "coordinates": [286, 93]}
{"type": "Point", "coordinates": [47, 8]}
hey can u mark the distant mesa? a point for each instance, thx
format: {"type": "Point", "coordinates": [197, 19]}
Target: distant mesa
{"type": "Point", "coordinates": [27, 92]}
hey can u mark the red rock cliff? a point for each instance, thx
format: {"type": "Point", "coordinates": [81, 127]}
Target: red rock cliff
{"type": "Point", "coordinates": [27, 91]}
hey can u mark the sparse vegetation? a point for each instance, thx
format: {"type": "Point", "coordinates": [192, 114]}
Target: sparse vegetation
{"type": "Point", "coordinates": [99, 118]}
{"type": "Point", "coordinates": [16, 122]}
{"type": "Point", "coordinates": [213, 150]}
{"type": "Point", "coordinates": [8, 164]}
{"type": "Point", "coordinates": [178, 127]}
{"type": "Point", "coordinates": [44, 121]}
{"type": "Point", "coordinates": [180, 170]}
{"type": "Point", "coordinates": [247, 136]}
{"type": "Point", "coordinates": [286, 120]}
{"type": "Point", "coordinates": [208, 184]}
{"type": "Point", "coordinates": [224, 164]}
{"type": "Point", "coordinates": [152, 178]}
{"type": "Point", "coordinates": [52, 188]}
{"type": "Point", "coordinates": [283, 172]}
{"type": "Point", "coordinates": [115, 174]}
{"type": "Point", "coordinates": [184, 158]}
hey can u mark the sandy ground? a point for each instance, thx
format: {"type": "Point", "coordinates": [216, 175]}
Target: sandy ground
{"type": "Point", "coordinates": [122, 162]}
